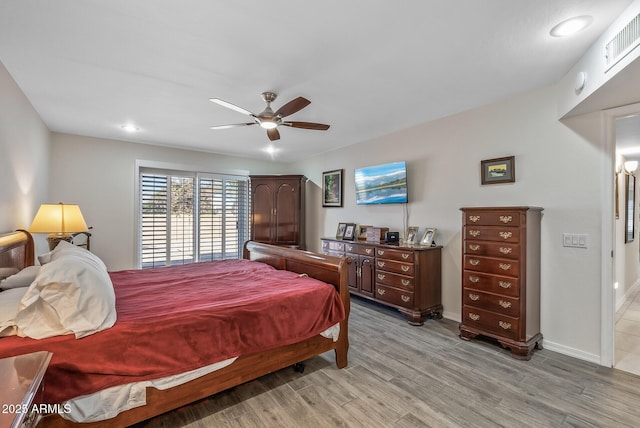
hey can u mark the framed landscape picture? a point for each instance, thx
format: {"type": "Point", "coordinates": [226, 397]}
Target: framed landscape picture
{"type": "Point", "coordinates": [332, 188]}
{"type": "Point", "coordinates": [498, 170]}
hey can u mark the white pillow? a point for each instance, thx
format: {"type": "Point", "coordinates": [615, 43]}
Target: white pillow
{"type": "Point", "coordinates": [8, 271]}
{"type": "Point", "coordinates": [24, 278]}
{"type": "Point", "coordinates": [9, 304]}
{"type": "Point", "coordinates": [63, 248]}
{"type": "Point", "coordinates": [72, 294]}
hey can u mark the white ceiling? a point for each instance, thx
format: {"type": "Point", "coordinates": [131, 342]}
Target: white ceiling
{"type": "Point", "coordinates": [368, 67]}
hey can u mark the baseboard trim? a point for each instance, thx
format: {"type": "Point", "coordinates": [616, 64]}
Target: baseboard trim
{"type": "Point", "coordinates": [629, 294]}
{"type": "Point", "coordinates": [571, 352]}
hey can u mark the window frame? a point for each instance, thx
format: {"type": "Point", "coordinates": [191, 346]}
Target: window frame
{"type": "Point", "coordinates": [142, 166]}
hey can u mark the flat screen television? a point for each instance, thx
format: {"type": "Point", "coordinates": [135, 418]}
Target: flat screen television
{"type": "Point", "coordinates": [382, 184]}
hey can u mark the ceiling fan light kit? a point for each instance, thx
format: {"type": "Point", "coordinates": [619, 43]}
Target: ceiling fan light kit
{"type": "Point", "coordinates": [269, 119]}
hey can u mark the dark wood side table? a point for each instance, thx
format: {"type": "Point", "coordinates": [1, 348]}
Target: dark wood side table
{"type": "Point", "coordinates": [21, 385]}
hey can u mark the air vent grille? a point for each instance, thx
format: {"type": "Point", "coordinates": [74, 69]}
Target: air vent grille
{"type": "Point", "coordinates": [623, 43]}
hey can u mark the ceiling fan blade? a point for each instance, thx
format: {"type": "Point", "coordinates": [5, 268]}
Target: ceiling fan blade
{"type": "Point", "coordinates": [273, 134]}
{"type": "Point", "coordinates": [292, 106]}
{"type": "Point", "coordinates": [233, 125]}
{"type": "Point", "coordinates": [307, 125]}
{"type": "Point", "coordinates": [227, 104]}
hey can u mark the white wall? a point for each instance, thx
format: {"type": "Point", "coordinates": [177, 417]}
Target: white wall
{"type": "Point", "coordinates": [99, 175]}
{"type": "Point", "coordinates": [557, 168]}
{"type": "Point", "coordinates": [24, 158]}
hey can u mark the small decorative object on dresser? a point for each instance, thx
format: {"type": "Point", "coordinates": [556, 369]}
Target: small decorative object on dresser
{"type": "Point", "coordinates": [428, 237]}
{"type": "Point", "coordinates": [362, 234]}
{"type": "Point", "coordinates": [501, 277]}
{"type": "Point", "coordinates": [332, 188]}
{"type": "Point", "coordinates": [412, 235]}
{"type": "Point", "coordinates": [498, 170]}
{"type": "Point", "coordinates": [349, 231]}
{"type": "Point", "coordinates": [340, 231]}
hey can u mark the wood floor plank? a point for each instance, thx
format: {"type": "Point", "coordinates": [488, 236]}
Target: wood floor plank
{"type": "Point", "coordinates": [405, 376]}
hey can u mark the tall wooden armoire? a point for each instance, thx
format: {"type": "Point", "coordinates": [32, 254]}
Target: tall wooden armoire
{"type": "Point", "coordinates": [277, 209]}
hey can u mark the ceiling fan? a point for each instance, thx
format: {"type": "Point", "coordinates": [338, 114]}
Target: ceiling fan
{"type": "Point", "coordinates": [269, 119]}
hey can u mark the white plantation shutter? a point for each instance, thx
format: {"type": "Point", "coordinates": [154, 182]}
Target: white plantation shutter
{"type": "Point", "coordinates": [188, 217]}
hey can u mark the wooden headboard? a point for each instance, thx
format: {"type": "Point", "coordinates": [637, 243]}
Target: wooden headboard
{"type": "Point", "coordinates": [17, 249]}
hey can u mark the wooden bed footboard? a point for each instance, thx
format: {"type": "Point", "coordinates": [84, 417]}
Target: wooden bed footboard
{"type": "Point", "coordinates": [17, 250]}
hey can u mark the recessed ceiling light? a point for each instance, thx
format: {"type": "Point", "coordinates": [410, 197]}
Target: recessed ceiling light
{"type": "Point", "coordinates": [130, 128]}
{"type": "Point", "coordinates": [571, 26]}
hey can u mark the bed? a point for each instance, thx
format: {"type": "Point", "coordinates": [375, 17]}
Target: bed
{"type": "Point", "coordinates": [238, 362]}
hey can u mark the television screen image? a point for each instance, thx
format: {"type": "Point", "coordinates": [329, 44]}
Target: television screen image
{"type": "Point", "coordinates": [382, 184]}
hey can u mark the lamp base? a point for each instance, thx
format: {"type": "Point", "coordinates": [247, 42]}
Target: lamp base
{"type": "Point", "coordinates": [55, 238]}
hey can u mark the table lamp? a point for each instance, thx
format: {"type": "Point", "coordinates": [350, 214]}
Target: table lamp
{"type": "Point", "coordinates": [60, 221]}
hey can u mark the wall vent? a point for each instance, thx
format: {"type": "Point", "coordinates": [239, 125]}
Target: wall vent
{"type": "Point", "coordinates": [623, 42]}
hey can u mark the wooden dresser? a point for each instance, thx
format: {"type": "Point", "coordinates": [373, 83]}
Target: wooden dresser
{"type": "Point", "coordinates": [407, 278]}
{"type": "Point", "coordinates": [277, 209]}
{"type": "Point", "coordinates": [501, 277]}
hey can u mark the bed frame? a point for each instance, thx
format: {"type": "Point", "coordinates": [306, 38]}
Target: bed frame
{"type": "Point", "coordinates": [17, 250]}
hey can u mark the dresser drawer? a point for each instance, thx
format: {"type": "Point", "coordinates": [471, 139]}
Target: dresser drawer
{"type": "Point", "coordinates": [399, 255]}
{"type": "Point", "coordinates": [351, 248]}
{"type": "Point", "coordinates": [394, 296]}
{"type": "Point", "coordinates": [503, 285]}
{"type": "Point", "coordinates": [492, 249]}
{"type": "Point", "coordinates": [492, 233]}
{"type": "Point", "coordinates": [492, 265]}
{"type": "Point", "coordinates": [366, 250]}
{"type": "Point", "coordinates": [499, 324]}
{"type": "Point", "coordinates": [333, 246]}
{"type": "Point", "coordinates": [492, 218]}
{"type": "Point", "coordinates": [491, 302]}
{"type": "Point", "coordinates": [394, 266]}
{"type": "Point", "coordinates": [394, 280]}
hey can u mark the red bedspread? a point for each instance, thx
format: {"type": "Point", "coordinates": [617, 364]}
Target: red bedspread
{"type": "Point", "coordinates": [175, 319]}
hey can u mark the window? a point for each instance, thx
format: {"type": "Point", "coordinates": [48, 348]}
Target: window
{"type": "Point", "coordinates": [186, 217]}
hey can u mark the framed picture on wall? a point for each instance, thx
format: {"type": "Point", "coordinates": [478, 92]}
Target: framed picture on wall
{"type": "Point", "coordinates": [498, 170]}
{"type": "Point", "coordinates": [630, 191]}
{"type": "Point", "coordinates": [332, 188]}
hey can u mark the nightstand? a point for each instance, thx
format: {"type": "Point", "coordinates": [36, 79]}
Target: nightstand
{"type": "Point", "coordinates": [21, 385]}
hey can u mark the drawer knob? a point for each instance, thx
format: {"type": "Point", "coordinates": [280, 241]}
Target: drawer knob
{"type": "Point", "coordinates": [505, 266]}
{"type": "Point", "coordinates": [474, 233]}
{"type": "Point", "coordinates": [474, 247]}
{"type": "Point", "coordinates": [506, 219]}
{"type": "Point", "coordinates": [380, 291]}
{"type": "Point", "coordinates": [381, 264]}
{"type": "Point", "coordinates": [473, 316]}
{"type": "Point", "coordinates": [504, 304]}
{"type": "Point", "coordinates": [368, 250]}
{"type": "Point", "coordinates": [505, 325]}
{"type": "Point", "coordinates": [474, 262]}
{"type": "Point", "coordinates": [405, 268]}
{"type": "Point", "coordinates": [349, 247]}
{"type": "Point", "coordinates": [504, 284]}
{"type": "Point", "coordinates": [474, 279]}
{"type": "Point", "coordinates": [474, 297]}
{"type": "Point", "coordinates": [405, 255]}
{"type": "Point", "coordinates": [505, 250]}
{"type": "Point", "coordinates": [506, 235]}
{"type": "Point", "coordinates": [380, 252]}
{"type": "Point", "coordinates": [405, 298]}
{"type": "Point", "coordinates": [405, 282]}
{"type": "Point", "coordinates": [474, 218]}
{"type": "Point", "coordinates": [381, 276]}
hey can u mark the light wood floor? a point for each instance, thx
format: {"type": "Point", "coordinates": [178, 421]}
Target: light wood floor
{"type": "Point", "coordinates": [404, 376]}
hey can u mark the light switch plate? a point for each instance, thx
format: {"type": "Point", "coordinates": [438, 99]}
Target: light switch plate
{"type": "Point", "coordinates": [575, 240]}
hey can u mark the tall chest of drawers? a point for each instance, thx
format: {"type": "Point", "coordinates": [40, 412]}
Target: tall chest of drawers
{"type": "Point", "coordinates": [501, 277]}
{"type": "Point", "coordinates": [407, 278]}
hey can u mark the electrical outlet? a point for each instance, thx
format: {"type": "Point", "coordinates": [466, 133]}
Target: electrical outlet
{"type": "Point", "coordinates": [575, 240]}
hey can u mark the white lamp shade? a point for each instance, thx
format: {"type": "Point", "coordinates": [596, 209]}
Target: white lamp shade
{"type": "Point", "coordinates": [58, 218]}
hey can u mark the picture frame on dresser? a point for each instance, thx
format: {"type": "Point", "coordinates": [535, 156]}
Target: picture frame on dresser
{"type": "Point", "coordinates": [362, 233]}
{"type": "Point", "coordinates": [349, 231]}
{"type": "Point", "coordinates": [412, 235]}
{"type": "Point", "coordinates": [498, 170]}
{"type": "Point", "coordinates": [428, 238]}
{"type": "Point", "coordinates": [340, 230]}
{"type": "Point", "coordinates": [332, 188]}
